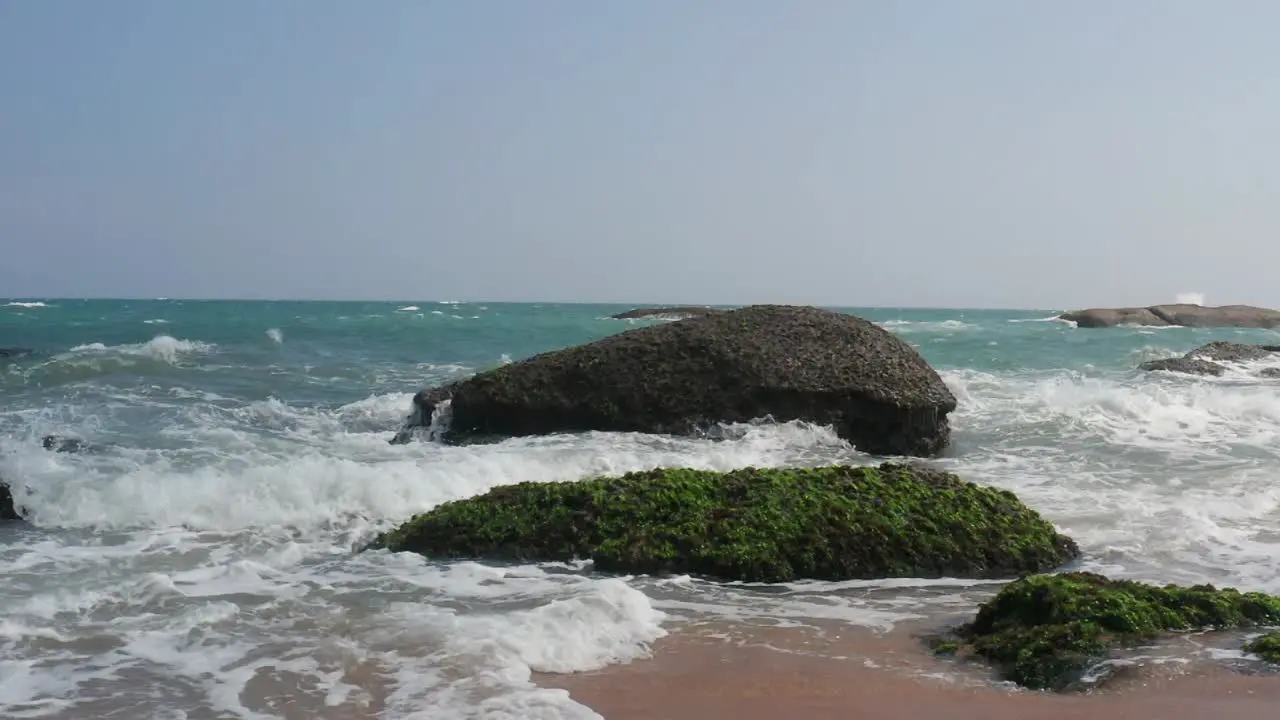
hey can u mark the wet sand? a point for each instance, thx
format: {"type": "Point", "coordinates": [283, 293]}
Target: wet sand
{"type": "Point", "coordinates": [694, 674]}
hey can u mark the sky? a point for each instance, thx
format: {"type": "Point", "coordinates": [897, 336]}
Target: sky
{"type": "Point", "coordinates": [989, 153]}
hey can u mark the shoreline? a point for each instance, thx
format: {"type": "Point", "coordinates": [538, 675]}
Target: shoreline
{"type": "Point", "coordinates": [754, 673]}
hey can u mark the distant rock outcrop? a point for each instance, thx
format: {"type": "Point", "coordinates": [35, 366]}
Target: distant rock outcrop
{"type": "Point", "coordinates": [1208, 359]}
{"type": "Point", "coordinates": [671, 312]}
{"type": "Point", "coordinates": [1182, 315]}
{"type": "Point", "coordinates": [784, 362]}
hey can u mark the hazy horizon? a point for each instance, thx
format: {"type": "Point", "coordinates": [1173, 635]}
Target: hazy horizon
{"type": "Point", "coordinates": [992, 154]}
{"type": "Point", "coordinates": [632, 303]}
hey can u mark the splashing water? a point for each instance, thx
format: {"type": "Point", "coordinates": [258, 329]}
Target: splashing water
{"type": "Point", "coordinates": [200, 563]}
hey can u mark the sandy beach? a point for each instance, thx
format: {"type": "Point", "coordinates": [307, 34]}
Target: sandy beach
{"type": "Point", "coordinates": [699, 673]}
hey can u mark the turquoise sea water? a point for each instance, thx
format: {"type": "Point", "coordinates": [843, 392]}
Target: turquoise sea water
{"type": "Point", "coordinates": [198, 563]}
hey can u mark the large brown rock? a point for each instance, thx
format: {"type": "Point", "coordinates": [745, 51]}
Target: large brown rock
{"type": "Point", "coordinates": [785, 362]}
{"type": "Point", "coordinates": [1183, 315]}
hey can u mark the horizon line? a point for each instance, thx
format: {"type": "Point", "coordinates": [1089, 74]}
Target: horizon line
{"type": "Point", "coordinates": [122, 298]}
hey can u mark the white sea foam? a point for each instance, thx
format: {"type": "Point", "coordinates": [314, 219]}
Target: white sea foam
{"type": "Point", "coordinates": [21, 304]}
{"type": "Point", "coordinates": [1162, 476]}
{"type": "Point", "coordinates": [1051, 318]}
{"type": "Point", "coordinates": [1152, 352]}
{"type": "Point", "coordinates": [926, 325]}
{"type": "Point", "coordinates": [162, 347]}
{"type": "Point", "coordinates": [221, 570]}
{"type": "Point", "coordinates": [409, 308]}
{"type": "Point", "coordinates": [1139, 326]}
{"type": "Point", "coordinates": [213, 572]}
{"type": "Point", "coordinates": [276, 335]}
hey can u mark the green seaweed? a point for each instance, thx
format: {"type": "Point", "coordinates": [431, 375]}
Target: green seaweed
{"type": "Point", "coordinates": [942, 646]}
{"type": "Point", "coordinates": [1045, 631]}
{"type": "Point", "coordinates": [1266, 647]}
{"type": "Point", "coordinates": [764, 525]}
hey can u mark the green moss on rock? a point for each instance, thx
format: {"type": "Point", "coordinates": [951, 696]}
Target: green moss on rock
{"type": "Point", "coordinates": [1266, 647]}
{"type": "Point", "coordinates": [943, 646]}
{"type": "Point", "coordinates": [769, 525]}
{"type": "Point", "coordinates": [1044, 631]}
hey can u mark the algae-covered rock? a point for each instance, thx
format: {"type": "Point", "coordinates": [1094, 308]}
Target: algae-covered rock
{"type": "Point", "coordinates": [1044, 631]}
{"type": "Point", "coordinates": [1265, 646]}
{"type": "Point", "coordinates": [687, 377]}
{"type": "Point", "coordinates": [770, 525]}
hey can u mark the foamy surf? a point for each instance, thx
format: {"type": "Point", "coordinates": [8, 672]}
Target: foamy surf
{"type": "Point", "coordinates": [201, 562]}
{"type": "Point", "coordinates": [162, 347]}
{"type": "Point", "coordinates": [925, 326]}
{"type": "Point", "coordinates": [228, 564]}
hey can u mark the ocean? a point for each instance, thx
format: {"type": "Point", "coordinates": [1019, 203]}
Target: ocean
{"type": "Point", "coordinates": [198, 561]}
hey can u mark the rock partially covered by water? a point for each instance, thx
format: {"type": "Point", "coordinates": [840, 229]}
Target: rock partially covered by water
{"type": "Point", "coordinates": [776, 525]}
{"type": "Point", "coordinates": [7, 510]}
{"type": "Point", "coordinates": [64, 444]}
{"type": "Point", "coordinates": [1047, 631]}
{"type": "Point", "coordinates": [52, 443]}
{"type": "Point", "coordinates": [1207, 359]}
{"type": "Point", "coordinates": [1183, 315]}
{"type": "Point", "coordinates": [14, 352]}
{"type": "Point", "coordinates": [673, 312]}
{"type": "Point", "coordinates": [1266, 646]}
{"type": "Point", "coordinates": [784, 362]}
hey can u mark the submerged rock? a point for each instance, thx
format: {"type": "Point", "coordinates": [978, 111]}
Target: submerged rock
{"type": "Point", "coordinates": [1046, 631]}
{"type": "Point", "coordinates": [677, 312]}
{"type": "Point", "coordinates": [1207, 359]}
{"type": "Point", "coordinates": [1183, 315]}
{"type": "Point", "coordinates": [63, 444]}
{"type": "Point", "coordinates": [1266, 646]}
{"type": "Point", "coordinates": [52, 443]}
{"type": "Point", "coordinates": [1188, 365]}
{"type": "Point", "coordinates": [784, 362]}
{"type": "Point", "coordinates": [829, 523]}
{"type": "Point", "coordinates": [12, 352]}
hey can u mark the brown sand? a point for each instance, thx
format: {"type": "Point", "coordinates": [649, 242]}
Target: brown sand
{"type": "Point", "coordinates": [791, 674]}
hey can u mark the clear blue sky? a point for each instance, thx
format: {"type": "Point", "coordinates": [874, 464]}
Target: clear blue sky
{"type": "Point", "coordinates": [981, 153]}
